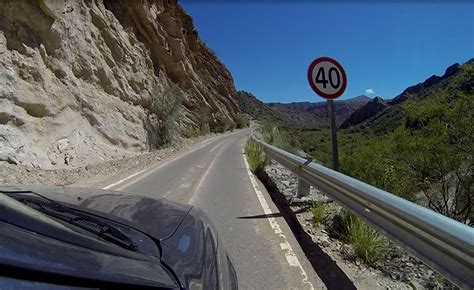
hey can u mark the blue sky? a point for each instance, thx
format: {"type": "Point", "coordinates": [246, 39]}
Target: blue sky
{"type": "Point", "coordinates": [383, 46]}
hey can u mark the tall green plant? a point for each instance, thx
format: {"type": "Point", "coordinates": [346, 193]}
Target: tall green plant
{"type": "Point", "coordinates": [369, 245]}
{"type": "Point", "coordinates": [168, 107]}
{"type": "Point", "coordinates": [255, 156]}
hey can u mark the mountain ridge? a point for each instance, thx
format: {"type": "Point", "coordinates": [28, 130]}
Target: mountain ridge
{"type": "Point", "coordinates": [385, 115]}
{"type": "Point", "coordinates": [309, 114]}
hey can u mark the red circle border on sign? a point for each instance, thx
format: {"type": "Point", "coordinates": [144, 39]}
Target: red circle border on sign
{"type": "Point", "coordinates": [315, 89]}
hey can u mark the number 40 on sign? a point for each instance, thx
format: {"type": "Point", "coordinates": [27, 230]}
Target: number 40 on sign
{"type": "Point", "coordinates": [327, 78]}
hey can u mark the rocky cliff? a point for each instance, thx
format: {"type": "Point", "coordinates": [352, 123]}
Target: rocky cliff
{"type": "Point", "coordinates": [84, 81]}
{"type": "Point", "coordinates": [369, 110]}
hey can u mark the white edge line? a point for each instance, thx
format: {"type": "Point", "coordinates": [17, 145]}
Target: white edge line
{"type": "Point", "coordinates": [122, 180]}
{"type": "Point", "coordinates": [290, 255]}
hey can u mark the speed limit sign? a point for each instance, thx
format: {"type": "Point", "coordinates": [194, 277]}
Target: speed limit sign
{"type": "Point", "coordinates": [327, 78]}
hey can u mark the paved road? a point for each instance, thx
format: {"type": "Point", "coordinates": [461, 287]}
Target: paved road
{"type": "Point", "coordinates": [214, 177]}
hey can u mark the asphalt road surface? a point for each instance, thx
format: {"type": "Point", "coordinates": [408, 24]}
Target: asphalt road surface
{"type": "Point", "coordinates": [214, 176]}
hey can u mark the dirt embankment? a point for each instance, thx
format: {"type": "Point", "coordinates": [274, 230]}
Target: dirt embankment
{"type": "Point", "coordinates": [96, 175]}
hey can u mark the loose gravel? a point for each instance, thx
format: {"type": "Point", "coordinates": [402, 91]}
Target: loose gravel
{"type": "Point", "coordinates": [398, 269]}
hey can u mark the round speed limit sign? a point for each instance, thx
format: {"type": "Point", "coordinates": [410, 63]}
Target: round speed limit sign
{"type": "Point", "coordinates": [327, 77]}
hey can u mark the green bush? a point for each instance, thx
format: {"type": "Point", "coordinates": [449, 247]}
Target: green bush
{"type": "Point", "coordinates": [192, 132]}
{"type": "Point", "coordinates": [278, 136]}
{"type": "Point", "coordinates": [369, 244]}
{"type": "Point", "coordinates": [241, 121]}
{"type": "Point", "coordinates": [319, 212]}
{"type": "Point", "coordinates": [203, 119]}
{"type": "Point", "coordinates": [168, 107]}
{"type": "Point", "coordinates": [220, 123]}
{"type": "Point", "coordinates": [255, 156]}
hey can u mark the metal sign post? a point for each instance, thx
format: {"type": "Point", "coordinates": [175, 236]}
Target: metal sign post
{"type": "Point", "coordinates": [328, 79]}
{"type": "Point", "coordinates": [332, 120]}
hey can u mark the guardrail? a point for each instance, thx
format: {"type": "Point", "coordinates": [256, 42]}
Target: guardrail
{"type": "Point", "coordinates": [442, 243]}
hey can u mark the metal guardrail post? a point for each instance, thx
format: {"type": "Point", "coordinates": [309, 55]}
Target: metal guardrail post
{"type": "Point", "coordinates": [442, 243]}
{"type": "Point", "coordinates": [303, 188]}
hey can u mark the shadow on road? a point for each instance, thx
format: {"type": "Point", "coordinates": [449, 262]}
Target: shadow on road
{"type": "Point", "coordinates": [263, 216]}
{"type": "Point", "coordinates": [327, 269]}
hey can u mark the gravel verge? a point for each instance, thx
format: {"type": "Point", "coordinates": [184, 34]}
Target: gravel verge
{"type": "Point", "coordinates": [397, 270]}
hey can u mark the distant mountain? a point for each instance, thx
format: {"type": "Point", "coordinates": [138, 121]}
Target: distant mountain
{"type": "Point", "coordinates": [384, 116]}
{"type": "Point", "coordinates": [369, 110]}
{"type": "Point", "coordinates": [307, 114]}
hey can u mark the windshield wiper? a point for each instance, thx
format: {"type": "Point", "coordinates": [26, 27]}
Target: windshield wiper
{"type": "Point", "coordinates": [84, 221]}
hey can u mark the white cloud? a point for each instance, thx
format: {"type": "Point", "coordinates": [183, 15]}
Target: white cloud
{"type": "Point", "coordinates": [369, 92]}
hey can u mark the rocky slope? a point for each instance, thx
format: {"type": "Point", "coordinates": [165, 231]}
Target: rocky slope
{"type": "Point", "coordinates": [381, 117]}
{"type": "Point", "coordinates": [367, 111]}
{"type": "Point", "coordinates": [85, 81]}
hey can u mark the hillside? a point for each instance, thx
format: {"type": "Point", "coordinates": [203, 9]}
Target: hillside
{"type": "Point", "coordinates": [90, 81]}
{"type": "Point", "coordinates": [380, 117]}
{"type": "Point", "coordinates": [303, 114]}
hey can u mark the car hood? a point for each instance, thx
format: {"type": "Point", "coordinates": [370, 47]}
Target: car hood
{"type": "Point", "coordinates": [156, 217]}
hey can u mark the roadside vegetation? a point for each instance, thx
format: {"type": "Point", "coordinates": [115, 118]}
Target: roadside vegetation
{"type": "Point", "coordinates": [255, 156]}
{"type": "Point", "coordinates": [168, 108]}
{"type": "Point", "coordinates": [319, 212]}
{"type": "Point", "coordinates": [428, 159]}
{"type": "Point", "coordinates": [369, 245]}
{"type": "Point", "coordinates": [276, 133]}
{"type": "Point", "coordinates": [168, 125]}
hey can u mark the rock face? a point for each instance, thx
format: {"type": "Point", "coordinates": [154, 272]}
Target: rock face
{"type": "Point", "coordinates": [369, 110]}
{"type": "Point", "coordinates": [249, 104]}
{"type": "Point", "coordinates": [83, 81]}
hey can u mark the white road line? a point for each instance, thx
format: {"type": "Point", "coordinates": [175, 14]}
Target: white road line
{"type": "Point", "coordinates": [213, 148]}
{"type": "Point", "coordinates": [122, 180]}
{"type": "Point", "coordinates": [203, 177]}
{"type": "Point", "coordinates": [151, 170]}
{"type": "Point", "coordinates": [290, 255]}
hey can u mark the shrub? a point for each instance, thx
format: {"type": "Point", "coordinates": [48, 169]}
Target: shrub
{"type": "Point", "coordinates": [203, 118]}
{"type": "Point", "coordinates": [220, 123]}
{"type": "Point", "coordinates": [255, 156]}
{"type": "Point", "coordinates": [192, 132]}
{"type": "Point", "coordinates": [241, 121]}
{"type": "Point", "coordinates": [278, 137]}
{"type": "Point", "coordinates": [319, 212]}
{"type": "Point", "coordinates": [369, 245]}
{"type": "Point", "coordinates": [168, 107]}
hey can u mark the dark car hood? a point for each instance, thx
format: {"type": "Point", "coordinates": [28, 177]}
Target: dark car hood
{"type": "Point", "coordinates": [156, 217]}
